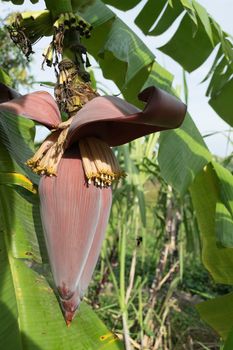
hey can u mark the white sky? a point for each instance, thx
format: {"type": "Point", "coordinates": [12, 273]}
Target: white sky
{"type": "Point", "coordinates": [205, 118]}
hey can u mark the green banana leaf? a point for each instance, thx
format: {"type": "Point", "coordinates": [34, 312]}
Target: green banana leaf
{"type": "Point", "coordinates": [182, 155]}
{"type": "Point", "coordinates": [16, 179]}
{"type": "Point", "coordinates": [168, 15]}
{"type": "Point", "coordinates": [4, 77]}
{"type": "Point", "coordinates": [206, 193]}
{"type": "Point", "coordinates": [224, 207]}
{"type": "Point", "coordinates": [210, 195]}
{"type": "Point", "coordinates": [222, 103]}
{"type": "Point", "coordinates": [194, 40]}
{"type": "Point", "coordinates": [17, 136]}
{"type": "Point", "coordinates": [229, 342]}
{"type": "Point", "coordinates": [199, 48]}
{"type": "Point", "coordinates": [30, 315]}
{"type": "Point", "coordinates": [219, 314]}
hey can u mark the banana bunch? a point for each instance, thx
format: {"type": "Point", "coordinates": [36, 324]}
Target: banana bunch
{"type": "Point", "coordinates": [73, 89]}
{"type": "Point", "coordinates": [28, 27]}
{"type": "Point", "coordinates": [70, 21]}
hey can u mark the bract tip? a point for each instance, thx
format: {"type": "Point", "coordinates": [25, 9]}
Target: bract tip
{"type": "Point", "coordinates": [69, 316]}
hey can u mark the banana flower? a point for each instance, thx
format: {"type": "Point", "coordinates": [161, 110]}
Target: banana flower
{"type": "Point", "coordinates": [75, 203]}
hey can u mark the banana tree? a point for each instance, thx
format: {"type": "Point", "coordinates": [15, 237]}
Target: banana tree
{"type": "Point", "coordinates": [124, 58]}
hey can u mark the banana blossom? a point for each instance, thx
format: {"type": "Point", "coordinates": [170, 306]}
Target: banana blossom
{"type": "Point", "coordinates": [75, 204]}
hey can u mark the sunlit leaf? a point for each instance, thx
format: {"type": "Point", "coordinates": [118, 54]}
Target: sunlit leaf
{"type": "Point", "coordinates": [159, 77]}
{"type": "Point", "coordinates": [16, 179]}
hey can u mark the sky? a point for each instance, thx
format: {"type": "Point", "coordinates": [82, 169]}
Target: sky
{"type": "Point", "coordinates": [205, 118]}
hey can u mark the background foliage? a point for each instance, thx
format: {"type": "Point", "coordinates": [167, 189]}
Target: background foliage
{"type": "Point", "coordinates": [12, 62]}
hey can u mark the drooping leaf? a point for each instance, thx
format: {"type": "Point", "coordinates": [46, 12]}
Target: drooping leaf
{"type": "Point", "coordinates": [10, 333]}
{"type": "Point", "coordinates": [17, 135]}
{"type": "Point", "coordinates": [16, 179]}
{"type": "Point", "coordinates": [188, 49]}
{"type": "Point", "coordinates": [224, 207]}
{"type": "Point", "coordinates": [189, 6]}
{"type": "Point", "coordinates": [205, 19]}
{"type": "Point", "coordinates": [166, 18]}
{"type": "Point", "coordinates": [197, 35]}
{"type": "Point", "coordinates": [151, 11]}
{"type": "Point", "coordinates": [222, 102]}
{"type": "Point", "coordinates": [205, 194]}
{"type": "Point", "coordinates": [4, 78]}
{"type": "Point", "coordinates": [224, 225]}
{"type": "Point", "coordinates": [229, 342]}
{"type": "Point", "coordinates": [218, 313]}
